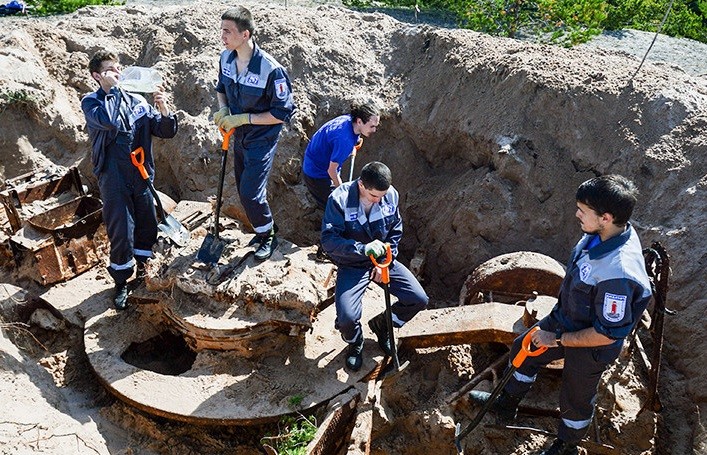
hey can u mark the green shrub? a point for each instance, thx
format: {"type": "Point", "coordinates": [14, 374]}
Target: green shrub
{"type": "Point", "coordinates": [565, 22]}
{"type": "Point", "coordinates": [47, 7]}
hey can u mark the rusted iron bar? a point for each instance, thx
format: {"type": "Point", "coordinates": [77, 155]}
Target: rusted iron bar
{"type": "Point", "coordinates": [473, 382]}
{"type": "Point", "coordinates": [658, 268]}
{"type": "Point", "coordinates": [336, 426]}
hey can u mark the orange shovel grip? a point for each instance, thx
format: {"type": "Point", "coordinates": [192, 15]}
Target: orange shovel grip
{"type": "Point", "coordinates": [226, 137]}
{"type": "Point", "coordinates": [137, 156]}
{"type": "Point", "coordinates": [525, 349]}
{"type": "Point", "coordinates": [385, 273]}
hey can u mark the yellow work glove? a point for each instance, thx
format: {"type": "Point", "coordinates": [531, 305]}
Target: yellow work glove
{"type": "Point", "coordinates": [234, 121]}
{"type": "Point", "coordinates": [220, 114]}
{"type": "Point", "coordinates": [375, 248]}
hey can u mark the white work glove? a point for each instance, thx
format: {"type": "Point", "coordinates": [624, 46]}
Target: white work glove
{"type": "Point", "coordinates": [376, 248]}
{"type": "Point", "coordinates": [220, 114]}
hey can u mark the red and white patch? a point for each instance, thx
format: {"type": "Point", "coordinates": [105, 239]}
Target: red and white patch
{"type": "Point", "coordinates": [614, 307]}
{"type": "Point", "coordinates": [281, 89]}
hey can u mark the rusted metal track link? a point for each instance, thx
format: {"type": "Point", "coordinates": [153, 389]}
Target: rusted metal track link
{"type": "Point", "coordinates": [469, 324]}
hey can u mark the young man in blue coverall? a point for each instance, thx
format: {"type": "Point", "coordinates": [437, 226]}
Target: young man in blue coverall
{"type": "Point", "coordinates": [333, 144]}
{"type": "Point", "coordinates": [360, 218]}
{"type": "Point", "coordinates": [118, 123]}
{"type": "Point", "coordinates": [255, 97]}
{"type": "Point", "coordinates": [604, 293]}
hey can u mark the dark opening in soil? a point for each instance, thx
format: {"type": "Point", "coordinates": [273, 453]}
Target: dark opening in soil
{"type": "Point", "coordinates": [165, 353]}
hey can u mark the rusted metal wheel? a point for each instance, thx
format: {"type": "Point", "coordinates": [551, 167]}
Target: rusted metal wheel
{"type": "Point", "coordinates": [512, 277]}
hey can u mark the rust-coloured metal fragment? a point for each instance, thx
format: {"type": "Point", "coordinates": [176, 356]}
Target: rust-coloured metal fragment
{"type": "Point", "coordinates": [511, 277]}
{"type": "Point", "coordinates": [469, 324]}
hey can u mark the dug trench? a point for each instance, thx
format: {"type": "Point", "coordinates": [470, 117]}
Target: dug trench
{"type": "Point", "coordinates": [487, 140]}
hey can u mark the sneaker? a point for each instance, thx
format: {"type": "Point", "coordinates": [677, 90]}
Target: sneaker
{"type": "Point", "coordinates": [505, 408]}
{"type": "Point", "coordinates": [560, 447]}
{"type": "Point", "coordinates": [120, 298]}
{"type": "Point", "coordinates": [354, 356]}
{"type": "Point", "coordinates": [379, 326]}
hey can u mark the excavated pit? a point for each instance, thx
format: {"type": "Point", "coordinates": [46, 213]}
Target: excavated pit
{"type": "Point", "coordinates": [487, 139]}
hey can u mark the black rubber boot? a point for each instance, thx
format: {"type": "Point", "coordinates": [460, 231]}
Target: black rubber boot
{"type": "Point", "coordinates": [560, 447]}
{"type": "Point", "coordinates": [505, 408]}
{"type": "Point", "coordinates": [380, 328]}
{"type": "Point", "coordinates": [354, 356]}
{"type": "Point", "coordinates": [120, 297]}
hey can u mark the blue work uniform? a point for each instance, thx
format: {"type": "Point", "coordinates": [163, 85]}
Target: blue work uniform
{"type": "Point", "coordinates": [332, 143]}
{"type": "Point", "coordinates": [118, 123]}
{"type": "Point", "coordinates": [606, 287]}
{"type": "Point", "coordinates": [346, 229]}
{"type": "Point", "coordinates": [263, 86]}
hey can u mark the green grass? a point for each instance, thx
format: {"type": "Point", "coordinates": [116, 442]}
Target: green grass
{"type": "Point", "coordinates": [295, 434]}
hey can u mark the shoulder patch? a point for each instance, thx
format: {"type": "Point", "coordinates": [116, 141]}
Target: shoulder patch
{"type": "Point", "coordinates": [614, 307]}
{"type": "Point", "coordinates": [281, 90]}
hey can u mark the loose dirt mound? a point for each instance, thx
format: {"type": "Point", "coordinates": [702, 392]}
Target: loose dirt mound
{"type": "Point", "coordinates": [487, 139]}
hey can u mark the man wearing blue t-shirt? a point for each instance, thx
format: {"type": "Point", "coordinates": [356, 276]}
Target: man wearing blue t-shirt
{"type": "Point", "coordinates": [332, 144]}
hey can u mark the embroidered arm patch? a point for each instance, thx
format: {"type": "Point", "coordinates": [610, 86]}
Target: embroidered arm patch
{"type": "Point", "coordinates": [614, 307]}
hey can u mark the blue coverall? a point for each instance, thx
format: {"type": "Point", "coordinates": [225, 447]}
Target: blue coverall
{"type": "Point", "coordinates": [346, 229]}
{"type": "Point", "coordinates": [264, 86]}
{"type": "Point", "coordinates": [118, 123]}
{"type": "Point", "coordinates": [606, 287]}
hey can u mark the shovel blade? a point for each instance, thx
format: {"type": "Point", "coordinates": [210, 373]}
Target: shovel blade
{"type": "Point", "coordinates": [174, 230]}
{"type": "Point", "coordinates": [210, 250]}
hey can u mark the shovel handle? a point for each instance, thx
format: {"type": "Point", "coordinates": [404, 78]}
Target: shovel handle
{"type": "Point", "coordinates": [358, 145]}
{"type": "Point", "coordinates": [385, 273]}
{"type": "Point", "coordinates": [226, 137]}
{"type": "Point", "coordinates": [137, 156]}
{"type": "Point", "coordinates": [525, 349]}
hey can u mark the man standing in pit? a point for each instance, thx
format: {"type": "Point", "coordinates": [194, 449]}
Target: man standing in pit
{"type": "Point", "coordinates": [333, 144]}
{"type": "Point", "coordinates": [255, 97]}
{"type": "Point", "coordinates": [118, 123]}
{"type": "Point", "coordinates": [360, 218]}
{"type": "Point", "coordinates": [604, 293]}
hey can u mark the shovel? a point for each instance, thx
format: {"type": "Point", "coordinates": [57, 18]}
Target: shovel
{"type": "Point", "coordinates": [385, 280]}
{"type": "Point", "coordinates": [357, 147]}
{"type": "Point", "coordinates": [212, 247]}
{"type": "Point", "coordinates": [518, 360]}
{"type": "Point", "coordinates": [167, 223]}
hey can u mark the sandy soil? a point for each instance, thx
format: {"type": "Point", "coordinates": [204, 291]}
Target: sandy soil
{"type": "Point", "coordinates": [487, 139]}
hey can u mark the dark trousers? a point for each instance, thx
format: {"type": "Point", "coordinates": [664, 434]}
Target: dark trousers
{"type": "Point", "coordinates": [252, 169]}
{"type": "Point", "coordinates": [129, 215]}
{"type": "Point", "coordinates": [581, 374]}
{"type": "Point", "coordinates": [320, 189]}
{"type": "Point", "coordinates": [351, 283]}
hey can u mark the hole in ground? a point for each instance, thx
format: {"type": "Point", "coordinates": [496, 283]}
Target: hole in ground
{"type": "Point", "coordinates": [165, 353]}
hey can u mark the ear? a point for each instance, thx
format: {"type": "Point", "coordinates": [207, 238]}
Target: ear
{"type": "Point", "coordinates": [607, 218]}
{"type": "Point", "coordinates": [95, 75]}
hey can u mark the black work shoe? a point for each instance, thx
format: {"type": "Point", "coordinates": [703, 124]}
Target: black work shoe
{"type": "Point", "coordinates": [120, 298]}
{"type": "Point", "coordinates": [268, 243]}
{"type": "Point", "coordinates": [560, 447]}
{"type": "Point", "coordinates": [505, 408]}
{"type": "Point", "coordinates": [321, 255]}
{"type": "Point", "coordinates": [380, 328]}
{"type": "Point", "coordinates": [354, 356]}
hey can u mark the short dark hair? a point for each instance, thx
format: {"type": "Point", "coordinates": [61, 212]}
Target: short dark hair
{"type": "Point", "coordinates": [242, 17]}
{"type": "Point", "coordinates": [614, 194]}
{"type": "Point", "coordinates": [94, 65]}
{"type": "Point", "coordinates": [364, 110]}
{"type": "Point", "coordinates": [376, 176]}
